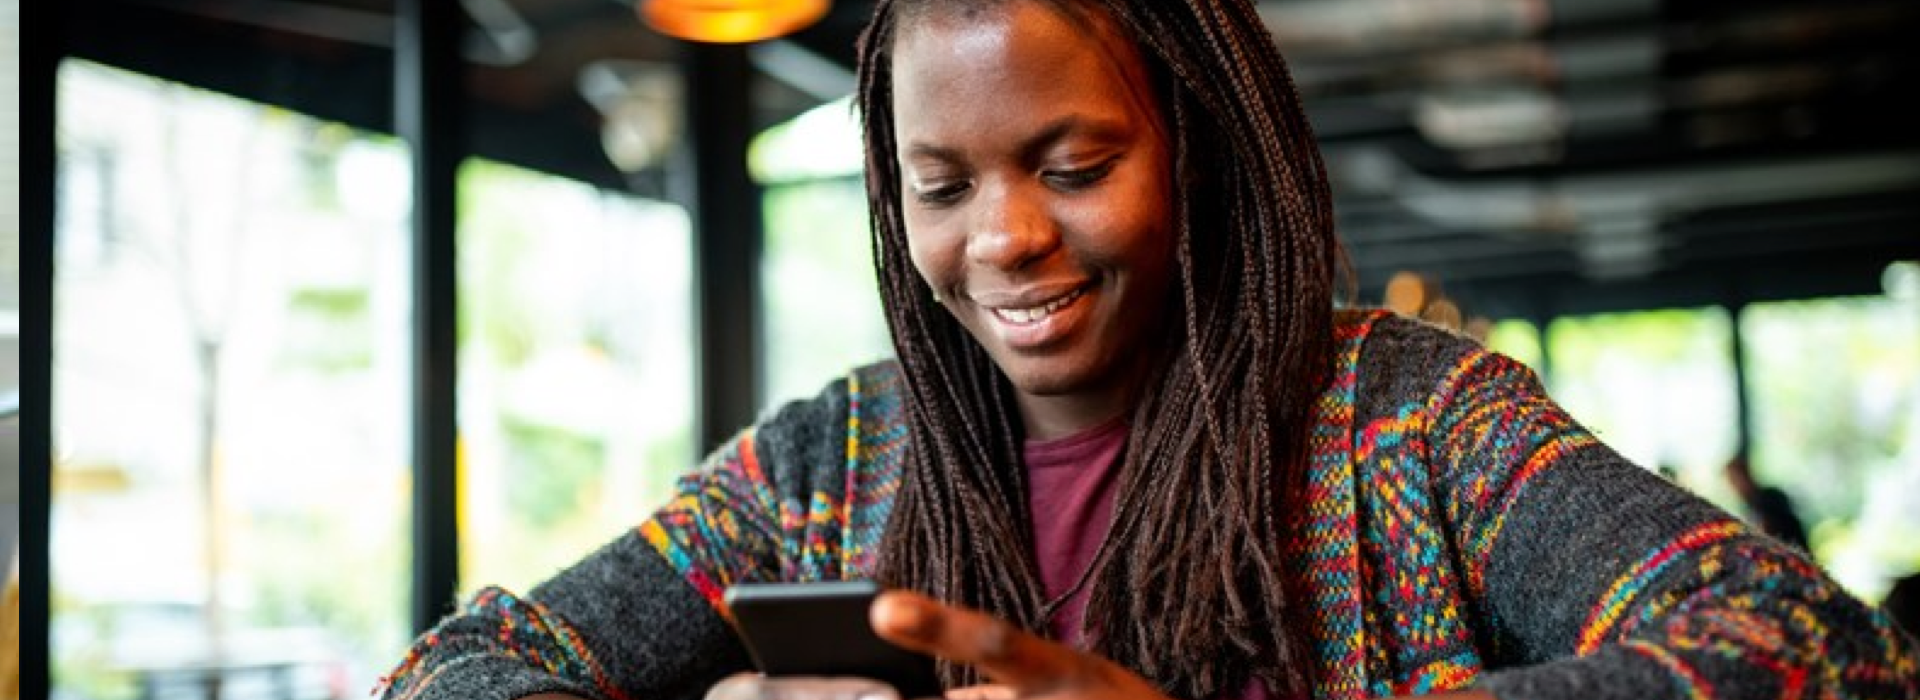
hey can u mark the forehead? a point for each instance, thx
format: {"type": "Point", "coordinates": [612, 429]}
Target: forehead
{"type": "Point", "coordinates": [981, 67]}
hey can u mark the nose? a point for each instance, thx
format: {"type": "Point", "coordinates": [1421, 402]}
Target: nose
{"type": "Point", "coordinates": [1010, 229]}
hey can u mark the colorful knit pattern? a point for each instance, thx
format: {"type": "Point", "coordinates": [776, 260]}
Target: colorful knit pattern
{"type": "Point", "coordinates": [1497, 431]}
{"type": "Point", "coordinates": [1325, 547]}
{"type": "Point", "coordinates": [1400, 520]}
{"type": "Point", "coordinates": [1441, 675]}
{"type": "Point", "coordinates": [724, 526]}
{"type": "Point", "coordinates": [1389, 602]}
{"type": "Point", "coordinates": [728, 525]}
{"type": "Point", "coordinates": [1780, 625]}
{"type": "Point", "coordinates": [1626, 591]}
{"type": "Point", "coordinates": [1406, 548]}
{"type": "Point", "coordinates": [877, 441]}
{"type": "Point", "coordinates": [521, 630]}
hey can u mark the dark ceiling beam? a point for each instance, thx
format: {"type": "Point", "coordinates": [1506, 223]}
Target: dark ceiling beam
{"type": "Point", "coordinates": [1698, 249]}
{"type": "Point", "coordinates": [833, 36]}
{"type": "Point", "coordinates": [1879, 222]}
{"type": "Point", "coordinates": [1770, 252]}
{"type": "Point", "coordinates": [296, 17]}
{"type": "Point", "coordinates": [1516, 265]}
{"type": "Point", "coordinates": [1454, 250]}
{"type": "Point", "coordinates": [346, 82]}
{"type": "Point", "coordinates": [1726, 285]}
{"type": "Point", "coordinates": [341, 81]}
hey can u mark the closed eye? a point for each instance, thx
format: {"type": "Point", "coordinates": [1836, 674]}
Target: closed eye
{"type": "Point", "coordinates": [940, 193]}
{"type": "Point", "coordinates": [1070, 179]}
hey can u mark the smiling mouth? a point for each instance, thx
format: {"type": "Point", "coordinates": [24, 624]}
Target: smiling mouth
{"type": "Point", "coordinates": [1036, 314]}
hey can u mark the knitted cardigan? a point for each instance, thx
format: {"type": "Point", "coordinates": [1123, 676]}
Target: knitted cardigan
{"type": "Point", "coordinates": [1460, 530]}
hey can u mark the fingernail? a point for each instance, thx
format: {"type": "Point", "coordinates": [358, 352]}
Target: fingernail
{"type": "Point", "coordinates": [741, 686]}
{"type": "Point", "coordinates": [903, 614]}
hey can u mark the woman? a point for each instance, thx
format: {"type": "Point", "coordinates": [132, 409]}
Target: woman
{"type": "Point", "coordinates": [1135, 453]}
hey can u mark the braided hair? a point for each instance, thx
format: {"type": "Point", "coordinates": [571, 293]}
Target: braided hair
{"type": "Point", "coordinates": [1193, 588]}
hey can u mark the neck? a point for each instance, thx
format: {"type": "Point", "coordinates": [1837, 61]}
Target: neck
{"type": "Point", "coordinates": [1049, 417]}
{"type": "Point", "coordinates": [1046, 417]}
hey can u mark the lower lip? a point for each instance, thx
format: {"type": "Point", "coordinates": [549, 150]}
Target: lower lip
{"type": "Point", "coordinates": [1039, 334]}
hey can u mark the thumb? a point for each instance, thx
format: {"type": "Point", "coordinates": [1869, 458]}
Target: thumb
{"type": "Point", "coordinates": [1007, 654]}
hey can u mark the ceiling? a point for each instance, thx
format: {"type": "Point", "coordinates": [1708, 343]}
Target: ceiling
{"type": "Point", "coordinates": [1536, 157]}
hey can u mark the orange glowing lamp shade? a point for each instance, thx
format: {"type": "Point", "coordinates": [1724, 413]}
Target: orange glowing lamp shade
{"type": "Point", "coordinates": [730, 21]}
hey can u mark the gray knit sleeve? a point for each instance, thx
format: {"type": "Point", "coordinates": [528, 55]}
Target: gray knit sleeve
{"type": "Point", "coordinates": [643, 617]}
{"type": "Point", "coordinates": [621, 623]}
{"type": "Point", "coordinates": [1595, 579]}
{"type": "Point", "coordinates": [637, 619]}
{"type": "Point", "coordinates": [625, 622]}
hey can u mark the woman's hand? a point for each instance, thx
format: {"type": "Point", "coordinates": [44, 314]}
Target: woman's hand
{"type": "Point", "coordinates": [753, 686]}
{"type": "Point", "coordinates": [1022, 666]}
{"type": "Point", "coordinates": [1019, 665]}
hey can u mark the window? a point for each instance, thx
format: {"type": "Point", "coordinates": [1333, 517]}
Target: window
{"type": "Point", "coordinates": [819, 293]}
{"type": "Point", "coordinates": [1656, 386]}
{"type": "Point", "coordinates": [10, 291]}
{"type": "Point", "coordinates": [230, 394]}
{"type": "Point", "coordinates": [1519, 340]}
{"type": "Point", "coordinates": [1836, 388]}
{"type": "Point", "coordinates": [576, 369]}
{"type": "Point", "coordinates": [1834, 391]}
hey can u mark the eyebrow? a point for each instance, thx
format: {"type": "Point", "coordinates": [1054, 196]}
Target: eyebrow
{"type": "Point", "coordinates": [925, 150]}
{"type": "Point", "coordinates": [1097, 128]}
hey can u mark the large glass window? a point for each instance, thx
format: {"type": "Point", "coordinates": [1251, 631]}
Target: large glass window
{"type": "Point", "coordinates": [230, 371]}
{"type": "Point", "coordinates": [1836, 387]}
{"type": "Point", "coordinates": [10, 288]}
{"type": "Point", "coordinates": [576, 368]}
{"type": "Point", "coordinates": [1657, 386]}
{"type": "Point", "coordinates": [1834, 392]}
{"type": "Point", "coordinates": [1519, 340]}
{"type": "Point", "coordinates": [819, 295]}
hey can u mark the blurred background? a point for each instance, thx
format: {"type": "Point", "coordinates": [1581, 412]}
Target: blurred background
{"type": "Point", "coordinates": [360, 304]}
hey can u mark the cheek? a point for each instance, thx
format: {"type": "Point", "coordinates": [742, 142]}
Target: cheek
{"type": "Point", "coordinates": [934, 256]}
{"type": "Point", "coordinates": [1151, 218]}
{"type": "Point", "coordinates": [1133, 228]}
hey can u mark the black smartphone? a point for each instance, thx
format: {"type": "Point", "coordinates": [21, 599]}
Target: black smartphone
{"type": "Point", "coordinates": [821, 629]}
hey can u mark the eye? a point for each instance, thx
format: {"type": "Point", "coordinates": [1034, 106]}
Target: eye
{"type": "Point", "coordinates": [940, 193]}
{"type": "Point", "coordinates": [1079, 178]}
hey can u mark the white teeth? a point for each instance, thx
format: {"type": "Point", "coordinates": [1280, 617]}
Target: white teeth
{"type": "Point", "coordinates": [1037, 313]}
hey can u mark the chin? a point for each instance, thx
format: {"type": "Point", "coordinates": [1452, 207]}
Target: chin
{"type": "Point", "coordinates": [1047, 378]}
{"type": "Point", "coordinates": [1041, 384]}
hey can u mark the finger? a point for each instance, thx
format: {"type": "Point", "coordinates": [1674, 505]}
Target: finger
{"type": "Point", "coordinates": [754, 686]}
{"type": "Point", "coordinates": [984, 691]}
{"type": "Point", "coordinates": [1005, 653]}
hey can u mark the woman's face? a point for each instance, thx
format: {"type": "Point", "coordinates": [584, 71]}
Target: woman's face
{"type": "Point", "coordinates": [1038, 199]}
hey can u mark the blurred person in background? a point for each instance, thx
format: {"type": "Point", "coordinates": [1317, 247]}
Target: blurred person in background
{"type": "Point", "coordinates": [1768, 508]}
{"type": "Point", "coordinates": [1903, 603]}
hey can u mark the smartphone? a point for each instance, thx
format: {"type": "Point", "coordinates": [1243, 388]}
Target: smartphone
{"type": "Point", "coordinates": [821, 629]}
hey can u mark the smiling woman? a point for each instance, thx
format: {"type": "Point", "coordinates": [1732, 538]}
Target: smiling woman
{"type": "Point", "coordinates": [1038, 204]}
{"type": "Point", "coordinates": [1130, 450]}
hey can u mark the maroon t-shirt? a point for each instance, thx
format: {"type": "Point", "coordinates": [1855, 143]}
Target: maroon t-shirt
{"type": "Point", "coordinates": [1071, 483]}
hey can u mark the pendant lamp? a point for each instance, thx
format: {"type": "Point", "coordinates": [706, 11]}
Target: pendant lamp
{"type": "Point", "coordinates": [730, 21]}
